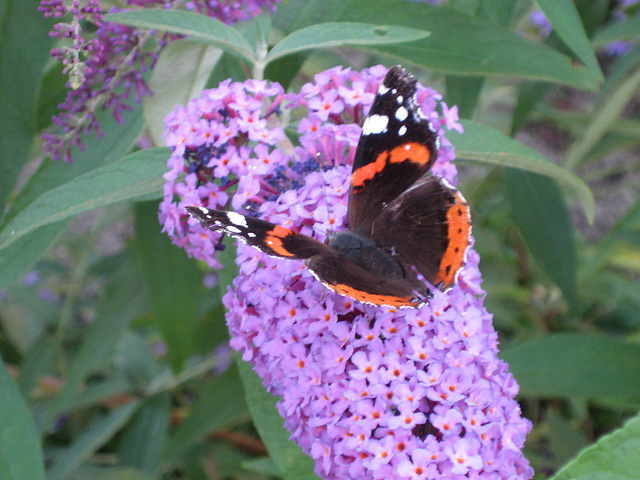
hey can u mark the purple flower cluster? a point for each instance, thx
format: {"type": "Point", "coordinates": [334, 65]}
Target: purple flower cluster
{"type": "Point", "coordinates": [231, 11]}
{"type": "Point", "coordinates": [368, 392]}
{"type": "Point", "coordinates": [220, 136]}
{"type": "Point", "coordinates": [106, 70]}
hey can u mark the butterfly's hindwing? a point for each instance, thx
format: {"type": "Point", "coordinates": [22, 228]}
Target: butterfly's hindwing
{"type": "Point", "coordinates": [437, 217]}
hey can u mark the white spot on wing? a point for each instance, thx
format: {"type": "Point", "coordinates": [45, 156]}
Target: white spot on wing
{"type": "Point", "coordinates": [251, 235]}
{"type": "Point", "coordinates": [402, 114]}
{"type": "Point", "coordinates": [400, 99]}
{"type": "Point", "coordinates": [402, 130]}
{"type": "Point", "coordinates": [375, 124]}
{"type": "Point", "coordinates": [237, 219]}
{"type": "Point", "coordinates": [233, 229]}
{"type": "Point", "coordinates": [382, 89]}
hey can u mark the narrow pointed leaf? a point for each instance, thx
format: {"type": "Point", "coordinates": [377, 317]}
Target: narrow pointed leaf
{"type": "Point", "coordinates": [540, 212]}
{"type": "Point", "coordinates": [24, 51]}
{"type": "Point", "coordinates": [220, 405]}
{"type": "Point", "coordinates": [618, 31]}
{"type": "Point", "coordinates": [468, 45]}
{"type": "Point", "coordinates": [566, 22]}
{"type": "Point", "coordinates": [90, 440]}
{"type": "Point", "coordinates": [135, 176]}
{"type": "Point", "coordinates": [174, 282]}
{"type": "Point", "coordinates": [123, 301]}
{"type": "Point", "coordinates": [335, 34]}
{"type": "Point", "coordinates": [144, 437]}
{"type": "Point", "coordinates": [614, 456]}
{"type": "Point", "coordinates": [485, 144]}
{"type": "Point", "coordinates": [609, 113]}
{"type": "Point", "coordinates": [292, 462]}
{"type": "Point", "coordinates": [19, 257]}
{"type": "Point", "coordinates": [20, 450]}
{"type": "Point", "coordinates": [116, 141]}
{"type": "Point", "coordinates": [576, 365]}
{"type": "Point", "coordinates": [199, 28]}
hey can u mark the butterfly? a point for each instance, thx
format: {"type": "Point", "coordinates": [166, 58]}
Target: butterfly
{"type": "Point", "coordinates": [401, 222]}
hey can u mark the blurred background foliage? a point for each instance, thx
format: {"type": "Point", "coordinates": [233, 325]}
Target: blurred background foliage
{"type": "Point", "coordinates": [114, 348]}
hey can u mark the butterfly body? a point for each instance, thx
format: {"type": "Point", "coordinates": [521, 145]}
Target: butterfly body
{"type": "Point", "coordinates": [401, 223]}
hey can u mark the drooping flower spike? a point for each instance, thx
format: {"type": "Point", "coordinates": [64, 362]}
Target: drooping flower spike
{"type": "Point", "coordinates": [401, 224]}
{"type": "Point", "coordinates": [368, 392]}
{"type": "Point", "coordinates": [108, 67]}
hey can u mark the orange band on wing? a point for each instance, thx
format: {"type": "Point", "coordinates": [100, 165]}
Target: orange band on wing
{"type": "Point", "coordinates": [274, 240]}
{"type": "Point", "coordinates": [389, 300]}
{"type": "Point", "coordinates": [412, 152]}
{"type": "Point", "coordinates": [459, 222]}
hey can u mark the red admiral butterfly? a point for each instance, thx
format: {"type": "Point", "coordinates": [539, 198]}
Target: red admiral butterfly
{"type": "Point", "coordinates": [398, 222]}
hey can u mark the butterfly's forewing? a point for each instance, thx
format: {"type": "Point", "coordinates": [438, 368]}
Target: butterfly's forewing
{"type": "Point", "coordinates": [334, 270]}
{"type": "Point", "coordinates": [272, 239]}
{"type": "Point", "coordinates": [398, 145]}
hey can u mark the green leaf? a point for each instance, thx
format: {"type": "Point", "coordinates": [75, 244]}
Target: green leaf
{"type": "Point", "coordinates": [627, 225]}
{"type": "Point", "coordinates": [123, 301]}
{"type": "Point", "coordinates": [180, 74]}
{"type": "Point", "coordinates": [52, 92]}
{"type": "Point", "coordinates": [117, 473]}
{"type": "Point", "coordinates": [618, 31]}
{"type": "Point", "coordinates": [576, 365]}
{"type": "Point", "coordinates": [20, 450]}
{"type": "Point", "coordinates": [463, 92]}
{"type": "Point", "coordinates": [144, 437]}
{"type": "Point", "coordinates": [613, 457]}
{"type": "Point", "coordinates": [292, 16]}
{"type": "Point", "coordinates": [592, 13]}
{"type": "Point", "coordinates": [230, 270]}
{"type": "Point", "coordinates": [485, 144]}
{"type": "Point", "coordinates": [90, 440]}
{"type": "Point", "coordinates": [220, 405]}
{"type": "Point", "coordinates": [286, 69]}
{"type": "Point", "coordinates": [566, 22]}
{"type": "Point", "coordinates": [38, 361]}
{"type": "Point", "coordinates": [200, 28]}
{"type": "Point", "coordinates": [619, 70]}
{"type": "Point", "coordinates": [292, 462]}
{"type": "Point", "coordinates": [542, 218]}
{"type": "Point", "coordinates": [467, 45]}
{"type": "Point", "coordinates": [499, 12]}
{"type": "Point", "coordinates": [116, 141]}
{"type": "Point", "coordinates": [610, 110]}
{"type": "Point", "coordinates": [174, 282]}
{"type": "Point", "coordinates": [24, 50]}
{"type": "Point", "coordinates": [335, 34]}
{"type": "Point", "coordinates": [135, 176]}
{"type": "Point", "coordinates": [263, 465]}
{"type": "Point", "coordinates": [529, 95]}
{"type": "Point", "coordinates": [19, 257]}
{"type": "Point", "coordinates": [565, 438]}
{"type": "Point", "coordinates": [98, 393]}
{"type": "Point", "coordinates": [470, 7]}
